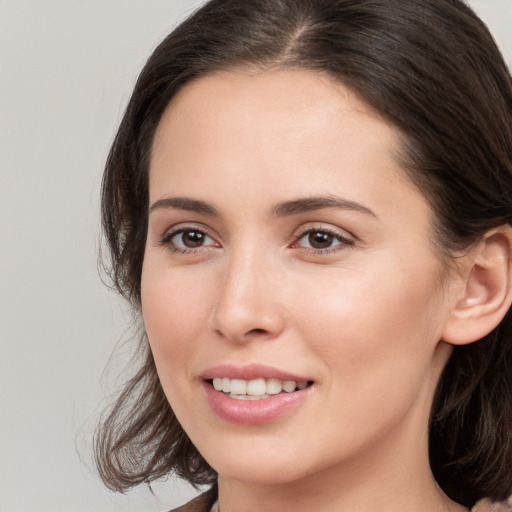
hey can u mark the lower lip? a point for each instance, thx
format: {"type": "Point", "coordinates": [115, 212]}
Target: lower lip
{"type": "Point", "coordinates": [253, 412]}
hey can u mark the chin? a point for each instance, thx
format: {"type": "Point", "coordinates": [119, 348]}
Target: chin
{"type": "Point", "coordinates": [261, 473]}
{"type": "Point", "coordinates": [258, 464]}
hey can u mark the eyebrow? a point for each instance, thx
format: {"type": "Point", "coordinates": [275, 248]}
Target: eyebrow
{"type": "Point", "coordinates": [283, 209]}
{"type": "Point", "coordinates": [309, 204]}
{"type": "Point", "coordinates": [185, 203]}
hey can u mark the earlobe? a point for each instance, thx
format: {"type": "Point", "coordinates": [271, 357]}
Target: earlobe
{"type": "Point", "coordinates": [487, 289]}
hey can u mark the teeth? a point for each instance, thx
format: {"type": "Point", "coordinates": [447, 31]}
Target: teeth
{"type": "Point", "coordinates": [274, 386]}
{"type": "Point", "coordinates": [247, 397]}
{"type": "Point", "coordinates": [256, 388]}
{"type": "Point", "coordinates": [238, 387]}
{"type": "Point", "coordinates": [289, 386]}
{"type": "Point", "coordinates": [226, 384]}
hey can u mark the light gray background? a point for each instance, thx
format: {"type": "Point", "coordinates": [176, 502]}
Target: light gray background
{"type": "Point", "coordinates": [66, 71]}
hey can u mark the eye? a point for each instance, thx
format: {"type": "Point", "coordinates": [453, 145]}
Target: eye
{"type": "Point", "coordinates": [322, 240]}
{"type": "Point", "coordinates": [186, 239]}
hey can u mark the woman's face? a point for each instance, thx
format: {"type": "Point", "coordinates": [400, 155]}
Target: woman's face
{"type": "Point", "coordinates": [286, 248]}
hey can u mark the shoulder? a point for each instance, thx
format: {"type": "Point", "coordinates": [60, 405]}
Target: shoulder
{"type": "Point", "coordinates": [202, 503]}
{"type": "Point", "coordinates": [488, 506]}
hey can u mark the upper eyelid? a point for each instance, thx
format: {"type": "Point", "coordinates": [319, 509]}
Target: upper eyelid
{"type": "Point", "coordinates": [334, 230]}
{"type": "Point", "coordinates": [343, 240]}
{"type": "Point", "coordinates": [186, 226]}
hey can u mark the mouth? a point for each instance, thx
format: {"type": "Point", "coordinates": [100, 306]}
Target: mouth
{"type": "Point", "coordinates": [256, 389]}
{"type": "Point", "coordinates": [255, 394]}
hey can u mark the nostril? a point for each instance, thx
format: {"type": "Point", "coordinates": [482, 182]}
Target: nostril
{"type": "Point", "coordinates": [257, 331]}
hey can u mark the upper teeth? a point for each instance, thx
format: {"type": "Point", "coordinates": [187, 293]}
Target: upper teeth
{"type": "Point", "coordinates": [256, 387]}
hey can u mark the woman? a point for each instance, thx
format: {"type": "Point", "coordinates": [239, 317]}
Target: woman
{"type": "Point", "coordinates": [310, 204]}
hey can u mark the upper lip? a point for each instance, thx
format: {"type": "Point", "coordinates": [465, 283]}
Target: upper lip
{"type": "Point", "coordinates": [250, 372]}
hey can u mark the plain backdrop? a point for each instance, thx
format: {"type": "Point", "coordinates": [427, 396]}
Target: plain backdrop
{"type": "Point", "coordinates": [66, 71]}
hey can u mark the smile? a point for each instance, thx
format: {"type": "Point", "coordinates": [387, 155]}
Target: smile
{"type": "Point", "coordinates": [254, 394]}
{"type": "Point", "coordinates": [256, 389]}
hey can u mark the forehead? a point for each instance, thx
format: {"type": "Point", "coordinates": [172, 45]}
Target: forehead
{"type": "Point", "coordinates": [283, 88]}
{"type": "Point", "coordinates": [276, 116]}
{"type": "Point", "coordinates": [226, 96]}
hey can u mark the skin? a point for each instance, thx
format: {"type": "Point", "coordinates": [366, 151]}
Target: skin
{"type": "Point", "coordinates": [362, 318]}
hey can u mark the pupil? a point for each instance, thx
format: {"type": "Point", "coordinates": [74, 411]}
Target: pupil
{"type": "Point", "coordinates": [320, 240]}
{"type": "Point", "coordinates": [193, 238]}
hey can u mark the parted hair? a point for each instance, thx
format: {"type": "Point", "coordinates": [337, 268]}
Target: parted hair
{"type": "Point", "coordinates": [429, 67]}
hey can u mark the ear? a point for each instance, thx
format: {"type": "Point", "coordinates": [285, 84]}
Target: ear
{"type": "Point", "coordinates": [485, 294]}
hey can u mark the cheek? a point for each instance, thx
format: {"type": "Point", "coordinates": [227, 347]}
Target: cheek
{"type": "Point", "coordinates": [175, 310]}
{"type": "Point", "coordinates": [374, 327]}
{"type": "Point", "coordinates": [377, 343]}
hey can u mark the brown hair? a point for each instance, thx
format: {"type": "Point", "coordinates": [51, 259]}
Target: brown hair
{"type": "Point", "coordinates": [432, 69]}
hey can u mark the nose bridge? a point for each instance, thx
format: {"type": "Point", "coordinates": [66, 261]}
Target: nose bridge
{"type": "Point", "coordinates": [247, 304]}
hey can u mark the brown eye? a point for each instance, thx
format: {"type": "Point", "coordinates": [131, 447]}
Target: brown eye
{"type": "Point", "coordinates": [190, 239]}
{"type": "Point", "coordinates": [320, 239]}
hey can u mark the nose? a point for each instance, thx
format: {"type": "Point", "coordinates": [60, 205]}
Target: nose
{"type": "Point", "coordinates": [248, 303]}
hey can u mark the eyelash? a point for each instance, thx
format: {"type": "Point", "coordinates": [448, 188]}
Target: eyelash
{"type": "Point", "coordinates": [344, 242]}
{"type": "Point", "coordinates": [167, 239]}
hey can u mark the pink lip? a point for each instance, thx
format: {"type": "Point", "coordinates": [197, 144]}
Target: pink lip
{"type": "Point", "coordinates": [252, 412]}
{"type": "Point", "coordinates": [250, 372]}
